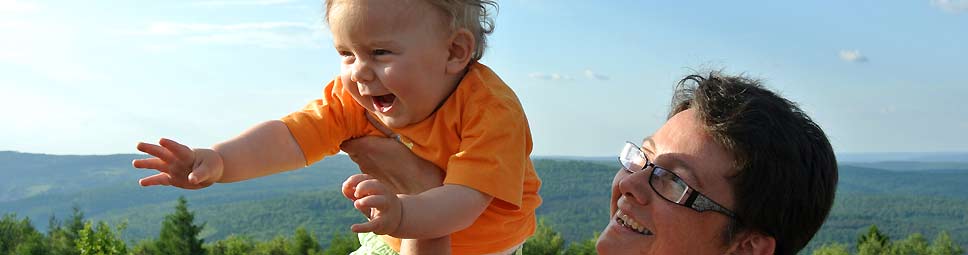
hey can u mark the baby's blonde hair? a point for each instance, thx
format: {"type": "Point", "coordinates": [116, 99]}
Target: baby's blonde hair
{"type": "Point", "coordinates": [472, 15]}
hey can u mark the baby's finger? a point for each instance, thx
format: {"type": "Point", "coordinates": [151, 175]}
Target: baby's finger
{"type": "Point", "coordinates": [158, 179]}
{"type": "Point", "coordinates": [364, 204]}
{"type": "Point", "coordinates": [157, 151]}
{"type": "Point", "coordinates": [370, 187]}
{"type": "Point", "coordinates": [370, 226]}
{"type": "Point", "coordinates": [150, 163]}
{"type": "Point", "coordinates": [178, 150]}
{"type": "Point", "coordinates": [349, 186]}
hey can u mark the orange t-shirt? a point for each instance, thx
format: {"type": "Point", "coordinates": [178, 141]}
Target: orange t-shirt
{"type": "Point", "coordinates": [479, 136]}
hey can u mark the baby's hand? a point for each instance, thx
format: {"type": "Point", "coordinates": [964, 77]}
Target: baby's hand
{"type": "Point", "coordinates": [179, 165]}
{"type": "Point", "coordinates": [378, 201]}
{"type": "Point", "coordinates": [349, 186]}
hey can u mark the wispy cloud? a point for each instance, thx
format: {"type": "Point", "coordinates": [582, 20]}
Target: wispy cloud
{"type": "Point", "coordinates": [241, 3]}
{"type": "Point", "coordinates": [953, 6]}
{"type": "Point", "coordinates": [45, 48]}
{"type": "Point", "coordinates": [549, 76]}
{"type": "Point", "coordinates": [852, 56]}
{"type": "Point", "coordinates": [14, 6]}
{"type": "Point", "coordinates": [596, 76]}
{"type": "Point", "coordinates": [172, 28]}
{"type": "Point", "coordinates": [262, 34]}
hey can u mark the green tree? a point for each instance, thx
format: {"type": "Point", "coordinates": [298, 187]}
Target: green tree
{"type": "Point", "coordinates": [145, 247]}
{"type": "Point", "coordinates": [101, 240]}
{"type": "Point", "coordinates": [586, 247]}
{"type": "Point", "coordinates": [873, 235]}
{"type": "Point", "coordinates": [873, 242]}
{"type": "Point", "coordinates": [179, 234]}
{"type": "Point", "coordinates": [342, 244]}
{"type": "Point", "coordinates": [276, 246]}
{"type": "Point", "coordinates": [304, 243]}
{"type": "Point", "coordinates": [59, 239]}
{"type": "Point", "coordinates": [75, 225]}
{"type": "Point", "coordinates": [232, 245]}
{"type": "Point", "coordinates": [943, 245]}
{"type": "Point", "coordinates": [545, 241]}
{"type": "Point", "coordinates": [832, 249]}
{"type": "Point", "coordinates": [20, 237]}
{"type": "Point", "coordinates": [914, 244]}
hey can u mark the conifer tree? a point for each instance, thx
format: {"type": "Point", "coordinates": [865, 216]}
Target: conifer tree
{"type": "Point", "coordinates": [305, 243]}
{"type": "Point", "coordinates": [179, 234]}
{"type": "Point", "coordinates": [873, 235]}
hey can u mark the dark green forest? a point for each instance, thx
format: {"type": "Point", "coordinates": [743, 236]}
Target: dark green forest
{"type": "Point", "coordinates": [902, 202]}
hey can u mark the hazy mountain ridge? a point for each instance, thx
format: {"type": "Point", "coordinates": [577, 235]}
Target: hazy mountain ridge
{"type": "Point", "coordinates": [575, 197]}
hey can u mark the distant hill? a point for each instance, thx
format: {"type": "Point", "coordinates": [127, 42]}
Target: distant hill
{"type": "Point", "coordinates": [928, 157]}
{"type": "Point", "coordinates": [575, 194]}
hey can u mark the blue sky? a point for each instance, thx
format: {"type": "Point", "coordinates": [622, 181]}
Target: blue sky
{"type": "Point", "coordinates": [96, 77]}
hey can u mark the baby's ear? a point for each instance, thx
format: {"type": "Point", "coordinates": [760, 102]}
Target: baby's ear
{"type": "Point", "coordinates": [462, 47]}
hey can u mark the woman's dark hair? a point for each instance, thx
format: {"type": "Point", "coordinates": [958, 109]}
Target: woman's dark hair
{"type": "Point", "coordinates": [785, 171]}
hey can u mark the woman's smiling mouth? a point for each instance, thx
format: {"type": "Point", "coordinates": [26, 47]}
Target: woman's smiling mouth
{"type": "Point", "coordinates": [624, 220]}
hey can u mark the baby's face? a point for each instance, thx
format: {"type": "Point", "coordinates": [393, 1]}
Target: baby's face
{"type": "Point", "coordinates": [394, 55]}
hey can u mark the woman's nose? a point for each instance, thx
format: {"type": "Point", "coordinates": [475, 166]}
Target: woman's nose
{"type": "Point", "coordinates": [636, 185]}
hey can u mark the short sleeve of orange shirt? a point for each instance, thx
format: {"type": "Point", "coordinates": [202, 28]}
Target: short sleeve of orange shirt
{"type": "Point", "coordinates": [323, 124]}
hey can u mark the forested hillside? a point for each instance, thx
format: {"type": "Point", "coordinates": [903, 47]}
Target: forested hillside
{"type": "Point", "coordinates": [575, 193]}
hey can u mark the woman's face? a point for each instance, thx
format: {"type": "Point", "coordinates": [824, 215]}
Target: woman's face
{"type": "Point", "coordinates": [644, 223]}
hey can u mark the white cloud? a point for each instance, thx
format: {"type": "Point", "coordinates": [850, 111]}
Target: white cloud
{"type": "Point", "coordinates": [550, 76]}
{"type": "Point", "coordinates": [595, 76]}
{"type": "Point", "coordinates": [14, 6]}
{"type": "Point", "coordinates": [241, 3]}
{"type": "Point", "coordinates": [852, 56]}
{"type": "Point", "coordinates": [888, 110]}
{"type": "Point", "coordinates": [263, 34]}
{"type": "Point", "coordinates": [953, 6]}
{"type": "Point", "coordinates": [172, 28]}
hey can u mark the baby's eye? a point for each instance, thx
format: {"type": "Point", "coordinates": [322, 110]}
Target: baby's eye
{"type": "Point", "coordinates": [345, 53]}
{"type": "Point", "coordinates": [380, 52]}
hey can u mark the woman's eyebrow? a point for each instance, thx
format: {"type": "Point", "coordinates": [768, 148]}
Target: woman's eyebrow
{"type": "Point", "coordinates": [648, 144]}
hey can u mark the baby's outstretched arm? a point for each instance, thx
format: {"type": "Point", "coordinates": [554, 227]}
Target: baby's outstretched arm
{"type": "Point", "coordinates": [435, 213]}
{"type": "Point", "coordinates": [264, 149]}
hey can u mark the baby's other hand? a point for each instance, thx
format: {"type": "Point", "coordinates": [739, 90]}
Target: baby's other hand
{"type": "Point", "coordinates": [385, 209]}
{"type": "Point", "coordinates": [179, 165]}
{"type": "Point", "coordinates": [349, 186]}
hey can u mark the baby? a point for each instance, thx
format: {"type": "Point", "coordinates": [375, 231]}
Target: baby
{"type": "Point", "coordinates": [409, 70]}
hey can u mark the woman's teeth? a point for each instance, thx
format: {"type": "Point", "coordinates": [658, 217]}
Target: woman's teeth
{"type": "Point", "coordinates": [631, 224]}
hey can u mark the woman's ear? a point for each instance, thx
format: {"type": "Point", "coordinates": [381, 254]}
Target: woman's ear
{"type": "Point", "coordinates": [751, 242]}
{"type": "Point", "coordinates": [461, 49]}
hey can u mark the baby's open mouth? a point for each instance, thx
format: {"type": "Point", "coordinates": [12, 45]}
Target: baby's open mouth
{"type": "Point", "coordinates": [627, 222]}
{"type": "Point", "coordinates": [384, 103]}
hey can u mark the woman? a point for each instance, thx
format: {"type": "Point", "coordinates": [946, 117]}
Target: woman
{"type": "Point", "coordinates": [736, 169]}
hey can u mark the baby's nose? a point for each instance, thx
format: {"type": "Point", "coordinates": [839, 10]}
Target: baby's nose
{"type": "Point", "coordinates": [361, 72]}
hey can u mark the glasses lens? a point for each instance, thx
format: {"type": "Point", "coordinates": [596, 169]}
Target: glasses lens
{"type": "Point", "coordinates": [668, 185]}
{"type": "Point", "coordinates": [632, 158]}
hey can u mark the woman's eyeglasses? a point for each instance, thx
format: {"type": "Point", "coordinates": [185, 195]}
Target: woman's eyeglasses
{"type": "Point", "coordinates": [667, 184]}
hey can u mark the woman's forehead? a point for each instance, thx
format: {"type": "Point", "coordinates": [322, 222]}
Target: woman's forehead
{"type": "Point", "coordinates": [683, 145]}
